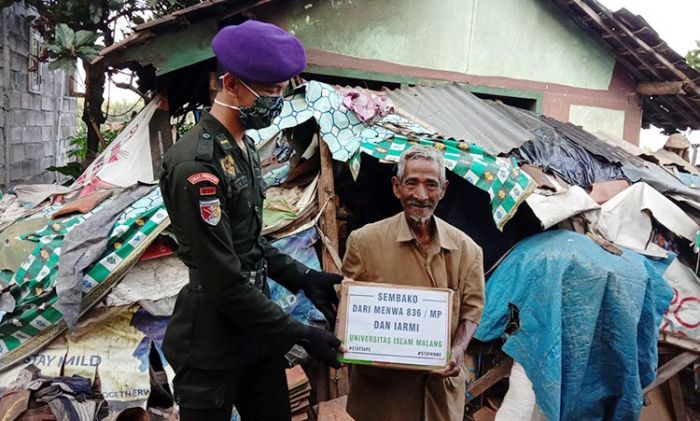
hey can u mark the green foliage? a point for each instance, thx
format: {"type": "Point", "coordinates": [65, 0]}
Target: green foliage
{"type": "Point", "coordinates": [78, 144]}
{"type": "Point", "coordinates": [79, 29]}
{"type": "Point", "coordinates": [77, 150]}
{"type": "Point", "coordinates": [162, 8]}
{"type": "Point", "coordinates": [71, 169]}
{"type": "Point", "coordinates": [67, 46]}
{"type": "Point", "coordinates": [74, 29]}
{"type": "Point", "coordinates": [693, 57]}
{"type": "Point", "coordinates": [184, 128]}
{"type": "Point", "coordinates": [122, 111]}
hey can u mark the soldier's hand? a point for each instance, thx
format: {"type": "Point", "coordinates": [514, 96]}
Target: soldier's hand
{"type": "Point", "coordinates": [318, 287]}
{"type": "Point", "coordinates": [322, 345]}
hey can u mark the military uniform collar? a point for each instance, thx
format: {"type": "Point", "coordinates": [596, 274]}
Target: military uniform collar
{"type": "Point", "coordinates": [221, 135]}
{"type": "Point", "coordinates": [404, 233]}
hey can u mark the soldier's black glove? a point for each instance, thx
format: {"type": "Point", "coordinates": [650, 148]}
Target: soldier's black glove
{"type": "Point", "coordinates": [321, 345]}
{"type": "Point", "coordinates": [318, 287]}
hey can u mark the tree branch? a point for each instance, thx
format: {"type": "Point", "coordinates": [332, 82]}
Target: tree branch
{"type": "Point", "coordinates": [128, 13]}
{"type": "Point", "coordinates": [38, 5]}
{"type": "Point", "coordinates": [129, 87]}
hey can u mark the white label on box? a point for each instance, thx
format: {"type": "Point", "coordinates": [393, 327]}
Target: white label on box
{"type": "Point", "coordinates": [397, 325]}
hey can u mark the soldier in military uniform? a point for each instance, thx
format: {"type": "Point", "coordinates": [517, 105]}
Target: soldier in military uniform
{"type": "Point", "coordinates": [226, 339]}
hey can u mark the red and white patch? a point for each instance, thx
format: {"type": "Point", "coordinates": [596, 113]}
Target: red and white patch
{"type": "Point", "coordinates": [207, 191]}
{"type": "Point", "coordinates": [210, 210]}
{"type": "Point", "coordinates": [203, 176]}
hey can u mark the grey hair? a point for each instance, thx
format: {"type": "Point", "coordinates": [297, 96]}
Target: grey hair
{"type": "Point", "coordinates": [422, 152]}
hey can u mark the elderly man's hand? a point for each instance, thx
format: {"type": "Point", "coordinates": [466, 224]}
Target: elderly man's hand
{"type": "Point", "coordinates": [454, 365]}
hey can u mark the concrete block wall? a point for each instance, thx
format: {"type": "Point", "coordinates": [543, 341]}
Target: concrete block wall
{"type": "Point", "coordinates": [30, 135]}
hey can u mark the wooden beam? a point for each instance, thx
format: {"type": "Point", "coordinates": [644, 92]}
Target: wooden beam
{"type": "Point", "coordinates": [670, 113]}
{"type": "Point", "coordinates": [485, 382]}
{"type": "Point", "coordinates": [326, 200]}
{"type": "Point", "coordinates": [622, 29]}
{"type": "Point", "coordinates": [592, 16]}
{"type": "Point", "coordinates": [671, 368]}
{"type": "Point", "coordinates": [96, 129]}
{"type": "Point", "coordinates": [338, 384]}
{"type": "Point", "coordinates": [320, 382]}
{"type": "Point", "coordinates": [160, 131]}
{"type": "Point", "coordinates": [661, 88]}
{"type": "Point", "coordinates": [681, 110]}
{"type": "Point", "coordinates": [674, 386]}
{"type": "Point", "coordinates": [680, 342]}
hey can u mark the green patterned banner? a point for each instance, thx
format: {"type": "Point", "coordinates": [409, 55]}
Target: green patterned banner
{"type": "Point", "coordinates": [506, 185]}
{"type": "Point", "coordinates": [35, 320]}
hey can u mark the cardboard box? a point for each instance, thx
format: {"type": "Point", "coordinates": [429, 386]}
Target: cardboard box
{"type": "Point", "coordinates": [395, 326]}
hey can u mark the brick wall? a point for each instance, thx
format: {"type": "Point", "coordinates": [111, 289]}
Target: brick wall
{"type": "Point", "coordinates": [29, 118]}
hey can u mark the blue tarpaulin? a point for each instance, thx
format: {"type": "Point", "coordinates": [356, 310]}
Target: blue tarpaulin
{"type": "Point", "coordinates": [588, 323]}
{"type": "Point", "coordinates": [299, 246]}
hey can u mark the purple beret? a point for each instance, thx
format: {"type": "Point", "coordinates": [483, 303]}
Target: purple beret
{"type": "Point", "coordinates": [259, 52]}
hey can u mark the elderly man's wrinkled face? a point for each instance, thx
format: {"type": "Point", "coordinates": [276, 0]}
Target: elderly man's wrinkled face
{"type": "Point", "coordinates": [420, 190]}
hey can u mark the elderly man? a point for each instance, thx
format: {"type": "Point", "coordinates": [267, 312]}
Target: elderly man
{"type": "Point", "coordinates": [226, 339]}
{"type": "Point", "coordinates": [418, 249]}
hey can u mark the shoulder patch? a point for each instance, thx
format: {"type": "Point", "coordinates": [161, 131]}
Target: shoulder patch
{"type": "Point", "coordinates": [207, 191]}
{"type": "Point", "coordinates": [203, 176]}
{"type": "Point", "coordinates": [228, 165]}
{"type": "Point", "coordinates": [210, 210]}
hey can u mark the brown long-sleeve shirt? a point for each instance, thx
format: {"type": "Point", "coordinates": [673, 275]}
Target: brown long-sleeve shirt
{"type": "Point", "coordinates": [387, 252]}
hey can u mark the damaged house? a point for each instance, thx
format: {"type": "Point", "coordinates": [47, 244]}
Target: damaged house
{"type": "Point", "coordinates": [528, 100]}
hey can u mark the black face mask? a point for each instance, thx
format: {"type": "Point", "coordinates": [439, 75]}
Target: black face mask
{"type": "Point", "coordinates": [261, 114]}
{"type": "Point", "coordinates": [264, 110]}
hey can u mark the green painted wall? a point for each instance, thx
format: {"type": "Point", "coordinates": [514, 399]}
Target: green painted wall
{"type": "Point", "coordinates": [400, 31]}
{"type": "Point", "coordinates": [519, 39]}
{"type": "Point", "coordinates": [598, 119]}
{"type": "Point", "coordinates": [533, 40]}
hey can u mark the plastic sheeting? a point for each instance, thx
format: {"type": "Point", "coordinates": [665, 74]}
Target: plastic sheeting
{"type": "Point", "coordinates": [501, 178]}
{"type": "Point", "coordinates": [557, 147]}
{"type": "Point", "coordinates": [690, 180]}
{"type": "Point", "coordinates": [35, 320]}
{"type": "Point", "coordinates": [150, 281]}
{"type": "Point", "coordinates": [127, 159]}
{"type": "Point", "coordinates": [683, 316]}
{"type": "Point", "coordinates": [625, 219]}
{"type": "Point", "coordinates": [519, 402]}
{"type": "Point", "coordinates": [554, 208]}
{"type": "Point", "coordinates": [339, 127]}
{"type": "Point", "coordinates": [587, 325]}
{"type": "Point", "coordinates": [571, 162]}
{"type": "Point", "coordinates": [300, 247]}
{"type": "Point", "coordinates": [662, 181]}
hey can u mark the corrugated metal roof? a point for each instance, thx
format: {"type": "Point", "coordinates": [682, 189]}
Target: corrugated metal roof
{"type": "Point", "coordinates": [455, 112]}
